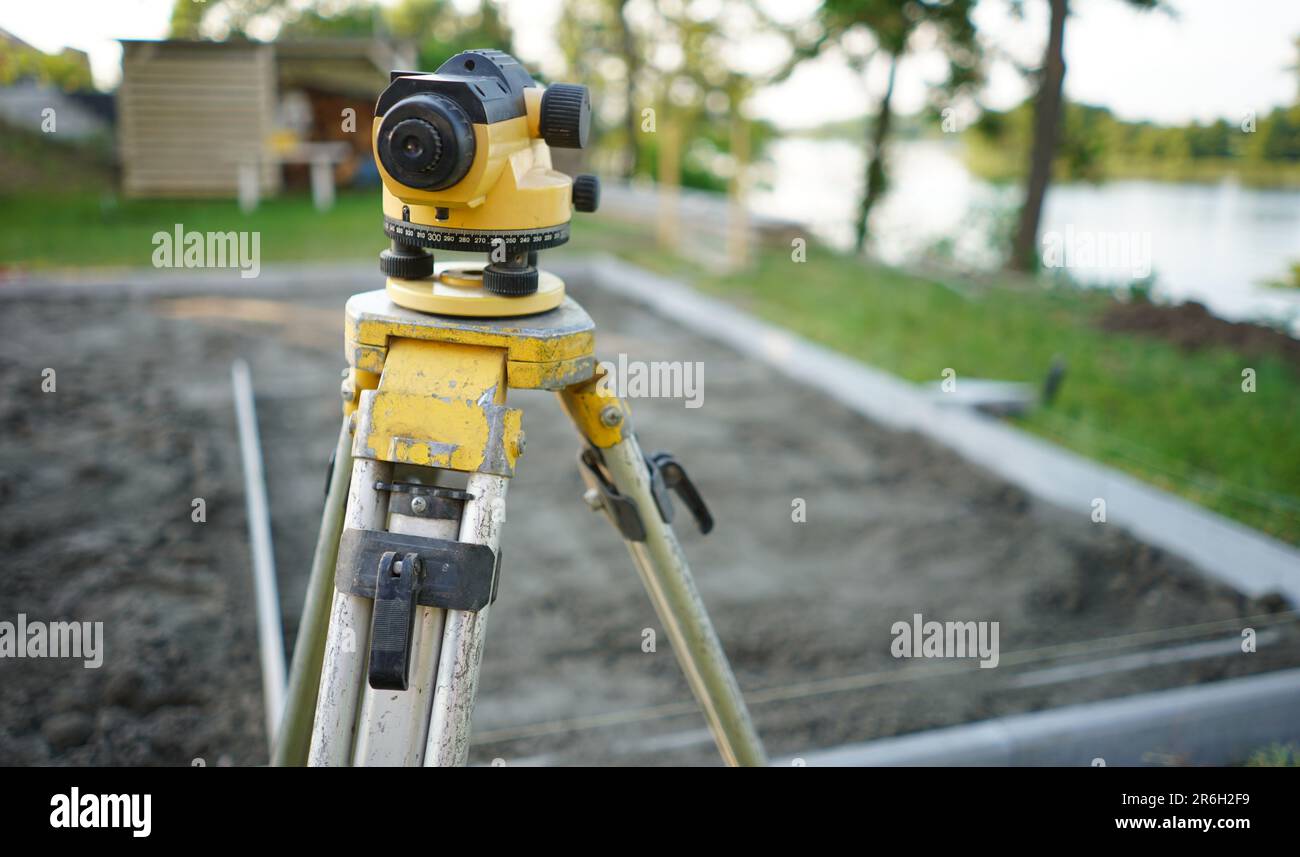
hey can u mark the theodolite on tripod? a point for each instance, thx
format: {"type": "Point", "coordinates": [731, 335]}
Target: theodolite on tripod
{"type": "Point", "coordinates": [408, 560]}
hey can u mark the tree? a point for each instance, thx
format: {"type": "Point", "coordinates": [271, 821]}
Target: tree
{"type": "Point", "coordinates": [862, 30]}
{"type": "Point", "coordinates": [598, 34]}
{"type": "Point", "coordinates": [243, 18]}
{"type": "Point", "coordinates": [631, 62]}
{"type": "Point", "coordinates": [440, 30]}
{"type": "Point", "coordinates": [437, 28]}
{"type": "Point", "coordinates": [641, 54]}
{"type": "Point", "coordinates": [68, 70]}
{"type": "Point", "coordinates": [1047, 124]}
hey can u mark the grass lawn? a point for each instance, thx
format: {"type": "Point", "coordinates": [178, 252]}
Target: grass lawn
{"type": "Point", "coordinates": [88, 228]}
{"type": "Point", "coordinates": [1174, 418]}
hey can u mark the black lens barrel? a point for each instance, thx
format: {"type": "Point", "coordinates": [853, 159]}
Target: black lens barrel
{"type": "Point", "coordinates": [426, 141]}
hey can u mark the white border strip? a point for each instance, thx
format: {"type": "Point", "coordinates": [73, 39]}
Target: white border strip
{"type": "Point", "coordinates": [1233, 553]}
{"type": "Point", "coordinates": [270, 633]}
{"type": "Point", "coordinates": [1220, 723]}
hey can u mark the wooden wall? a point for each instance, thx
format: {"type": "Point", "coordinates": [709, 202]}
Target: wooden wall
{"type": "Point", "coordinates": [189, 114]}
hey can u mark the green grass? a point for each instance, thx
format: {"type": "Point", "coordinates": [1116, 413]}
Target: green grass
{"type": "Point", "coordinates": [1176, 419]}
{"type": "Point", "coordinates": [105, 230]}
{"type": "Point", "coordinates": [41, 231]}
{"type": "Point", "coordinates": [1275, 756]}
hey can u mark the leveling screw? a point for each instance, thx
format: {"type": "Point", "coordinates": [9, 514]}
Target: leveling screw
{"type": "Point", "coordinates": [419, 505]}
{"type": "Point", "coordinates": [611, 416]}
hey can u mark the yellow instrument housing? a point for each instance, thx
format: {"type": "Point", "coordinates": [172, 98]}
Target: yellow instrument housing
{"type": "Point", "coordinates": [511, 184]}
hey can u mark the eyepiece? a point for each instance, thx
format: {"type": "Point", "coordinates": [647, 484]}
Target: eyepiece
{"type": "Point", "coordinates": [416, 145]}
{"type": "Point", "coordinates": [426, 141]}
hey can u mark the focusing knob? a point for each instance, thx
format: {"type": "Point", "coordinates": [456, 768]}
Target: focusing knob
{"type": "Point", "coordinates": [565, 116]}
{"type": "Point", "coordinates": [511, 282]}
{"type": "Point", "coordinates": [586, 193]}
{"type": "Point", "coordinates": [406, 262]}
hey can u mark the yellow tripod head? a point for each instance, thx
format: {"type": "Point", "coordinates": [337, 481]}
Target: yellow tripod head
{"type": "Point", "coordinates": [464, 155]}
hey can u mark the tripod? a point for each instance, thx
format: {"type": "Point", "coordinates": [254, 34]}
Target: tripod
{"type": "Point", "coordinates": [432, 445]}
{"type": "Point", "coordinates": [408, 560]}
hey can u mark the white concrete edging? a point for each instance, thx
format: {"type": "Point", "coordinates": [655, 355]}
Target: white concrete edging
{"type": "Point", "coordinates": [1220, 723]}
{"type": "Point", "coordinates": [1250, 561]}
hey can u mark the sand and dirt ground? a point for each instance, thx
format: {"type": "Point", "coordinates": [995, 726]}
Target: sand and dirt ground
{"type": "Point", "coordinates": [95, 524]}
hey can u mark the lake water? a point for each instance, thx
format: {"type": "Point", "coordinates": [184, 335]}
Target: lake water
{"type": "Point", "coordinates": [1215, 243]}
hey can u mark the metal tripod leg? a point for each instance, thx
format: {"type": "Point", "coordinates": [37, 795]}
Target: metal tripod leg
{"type": "Point", "coordinates": [293, 740]}
{"type": "Point", "coordinates": [392, 725]}
{"type": "Point", "coordinates": [344, 669]}
{"type": "Point", "coordinates": [438, 407]}
{"type": "Point", "coordinates": [463, 636]}
{"type": "Point", "coordinates": [605, 423]}
{"type": "Point", "coordinates": [668, 582]}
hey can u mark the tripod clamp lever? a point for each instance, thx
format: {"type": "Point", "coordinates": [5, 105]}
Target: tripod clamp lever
{"type": "Point", "coordinates": [666, 474]}
{"type": "Point", "coordinates": [393, 626]}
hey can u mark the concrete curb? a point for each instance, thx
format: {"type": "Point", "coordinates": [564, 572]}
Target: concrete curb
{"type": "Point", "coordinates": [1221, 723]}
{"type": "Point", "coordinates": [1232, 553]}
{"type": "Point", "coordinates": [273, 279]}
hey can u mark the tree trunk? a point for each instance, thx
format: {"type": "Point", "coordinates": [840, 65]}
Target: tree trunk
{"type": "Point", "coordinates": [1047, 124]}
{"type": "Point", "coordinates": [878, 133]}
{"type": "Point", "coordinates": [631, 124]}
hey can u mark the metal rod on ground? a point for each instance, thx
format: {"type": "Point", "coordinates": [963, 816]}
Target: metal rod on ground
{"type": "Point", "coordinates": [293, 739]}
{"type": "Point", "coordinates": [270, 635]}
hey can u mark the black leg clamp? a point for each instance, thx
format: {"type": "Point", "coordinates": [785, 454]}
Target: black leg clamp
{"type": "Point", "coordinates": [399, 572]}
{"type": "Point", "coordinates": [396, 583]}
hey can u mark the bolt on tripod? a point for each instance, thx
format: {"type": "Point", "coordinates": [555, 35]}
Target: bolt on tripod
{"type": "Point", "coordinates": [408, 560]}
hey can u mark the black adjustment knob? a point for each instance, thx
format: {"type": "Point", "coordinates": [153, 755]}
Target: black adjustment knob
{"type": "Point", "coordinates": [406, 262]}
{"type": "Point", "coordinates": [565, 116]}
{"type": "Point", "coordinates": [510, 282]}
{"type": "Point", "coordinates": [586, 193]}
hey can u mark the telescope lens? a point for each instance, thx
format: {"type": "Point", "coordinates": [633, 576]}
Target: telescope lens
{"type": "Point", "coordinates": [426, 141]}
{"type": "Point", "coordinates": [417, 145]}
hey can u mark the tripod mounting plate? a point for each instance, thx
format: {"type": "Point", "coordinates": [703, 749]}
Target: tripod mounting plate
{"type": "Point", "coordinates": [457, 289]}
{"type": "Point", "coordinates": [551, 350]}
